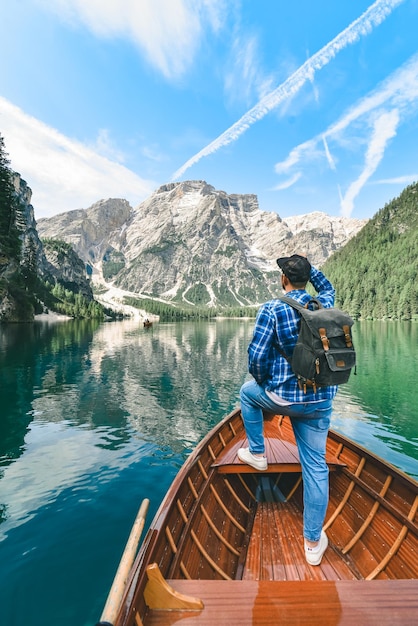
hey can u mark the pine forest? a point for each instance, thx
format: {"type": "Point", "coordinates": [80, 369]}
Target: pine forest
{"type": "Point", "coordinates": [376, 273]}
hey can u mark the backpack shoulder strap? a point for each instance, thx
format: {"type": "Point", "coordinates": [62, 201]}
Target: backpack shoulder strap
{"type": "Point", "coordinates": [300, 307]}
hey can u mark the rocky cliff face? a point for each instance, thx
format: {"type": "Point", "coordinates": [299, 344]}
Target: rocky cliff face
{"type": "Point", "coordinates": [193, 244]}
{"type": "Point", "coordinates": [66, 267]}
{"type": "Point", "coordinates": [93, 232]}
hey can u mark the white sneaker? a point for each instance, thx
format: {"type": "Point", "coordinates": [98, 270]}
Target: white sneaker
{"type": "Point", "coordinates": [258, 463]}
{"type": "Point", "coordinates": [314, 555]}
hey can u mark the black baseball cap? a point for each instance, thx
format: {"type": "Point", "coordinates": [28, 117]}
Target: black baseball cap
{"type": "Point", "coordinates": [296, 267]}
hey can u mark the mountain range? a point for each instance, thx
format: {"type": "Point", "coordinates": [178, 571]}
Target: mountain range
{"type": "Point", "coordinates": [191, 244]}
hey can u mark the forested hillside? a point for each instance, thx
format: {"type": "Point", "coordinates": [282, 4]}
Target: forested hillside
{"type": "Point", "coordinates": [376, 273]}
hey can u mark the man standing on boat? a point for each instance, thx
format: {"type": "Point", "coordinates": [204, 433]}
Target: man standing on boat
{"type": "Point", "coordinates": [275, 389]}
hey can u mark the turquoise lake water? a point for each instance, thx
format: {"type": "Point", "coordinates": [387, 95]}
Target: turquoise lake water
{"type": "Point", "coordinates": [96, 417]}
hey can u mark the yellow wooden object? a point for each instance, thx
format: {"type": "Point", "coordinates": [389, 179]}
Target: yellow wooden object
{"type": "Point", "coordinates": [159, 594]}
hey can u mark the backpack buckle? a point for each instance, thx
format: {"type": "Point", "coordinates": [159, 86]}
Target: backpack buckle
{"type": "Point", "coordinates": [324, 338]}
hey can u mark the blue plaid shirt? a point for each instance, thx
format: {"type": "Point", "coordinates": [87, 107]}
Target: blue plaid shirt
{"type": "Point", "coordinates": [277, 327]}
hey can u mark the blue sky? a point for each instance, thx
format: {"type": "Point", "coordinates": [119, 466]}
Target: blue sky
{"type": "Point", "coordinates": [312, 106]}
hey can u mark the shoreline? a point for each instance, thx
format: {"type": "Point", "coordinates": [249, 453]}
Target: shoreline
{"type": "Point", "coordinates": [51, 317]}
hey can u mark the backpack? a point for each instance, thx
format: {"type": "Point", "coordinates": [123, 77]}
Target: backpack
{"type": "Point", "coordinates": [324, 352]}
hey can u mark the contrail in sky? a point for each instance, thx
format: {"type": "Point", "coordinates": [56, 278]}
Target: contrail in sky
{"type": "Point", "coordinates": [363, 25]}
{"type": "Point", "coordinates": [382, 111]}
{"type": "Point", "coordinates": [399, 90]}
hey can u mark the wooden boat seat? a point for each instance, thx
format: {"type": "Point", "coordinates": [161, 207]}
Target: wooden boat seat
{"type": "Point", "coordinates": [378, 603]}
{"type": "Point", "coordinates": [281, 451]}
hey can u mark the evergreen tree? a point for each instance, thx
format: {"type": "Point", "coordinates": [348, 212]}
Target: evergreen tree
{"type": "Point", "coordinates": [29, 266]}
{"type": "Point", "coordinates": [10, 217]}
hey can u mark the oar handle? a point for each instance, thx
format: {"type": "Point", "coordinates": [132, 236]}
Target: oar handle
{"type": "Point", "coordinates": [114, 598]}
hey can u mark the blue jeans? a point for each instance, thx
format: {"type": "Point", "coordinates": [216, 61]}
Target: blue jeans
{"type": "Point", "coordinates": [310, 422]}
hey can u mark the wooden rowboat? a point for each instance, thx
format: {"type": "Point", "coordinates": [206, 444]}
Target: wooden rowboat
{"type": "Point", "coordinates": [226, 544]}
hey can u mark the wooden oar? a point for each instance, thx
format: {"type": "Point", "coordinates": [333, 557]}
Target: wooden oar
{"type": "Point", "coordinates": [114, 598]}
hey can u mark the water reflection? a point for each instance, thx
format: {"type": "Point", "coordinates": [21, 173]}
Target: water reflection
{"type": "Point", "coordinates": [80, 397]}
{"type": "Point", "coordinates": [169, 384]}
{"type": "Point", "coordinates": [164, 384]}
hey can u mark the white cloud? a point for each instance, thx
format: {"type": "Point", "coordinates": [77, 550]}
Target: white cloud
{"type": "Point", "coordinates": [242, 71]}
{"type": "Point", "coordinates": [384, 129]}
{"type": "Point", "coordinates": [363, 25]}
{"type": "Point", "coordinates": [153, 153]}
{"type": "Point", "coordinates": [63, 174]}
{"type": "Point", "coordinates": [288, 183]}
{"type": "Point", "coordinates": [400, 89]}
{"type": "Point", "coordinates": [244, 75]}
{"type": "Point", "coordinates": [408, 179]}
{"type": "Point", "coordinates": [167, 32]}
{"type": "Point", "coordinates": [294, 156]}
{"type": "Point", "coordinates": [328, 154]}
{"type": "Point", "coordinates": [105, 146]}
